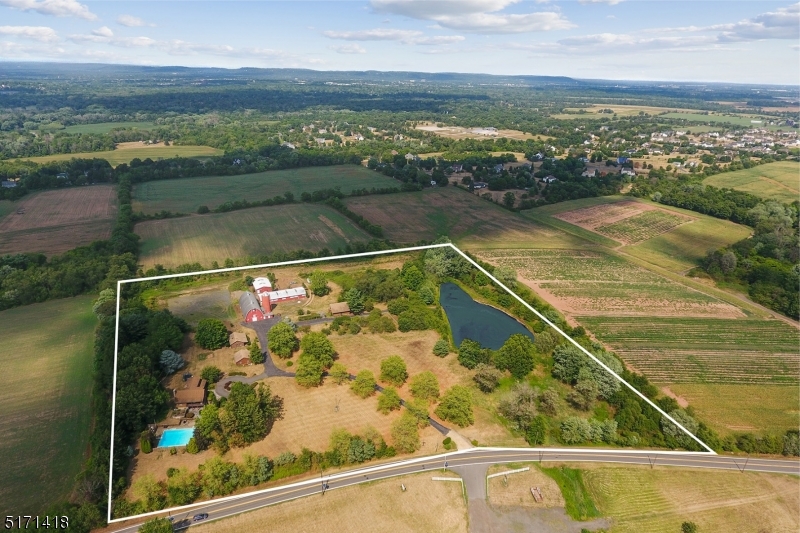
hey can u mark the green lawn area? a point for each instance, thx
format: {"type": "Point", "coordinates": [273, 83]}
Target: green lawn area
{"type": "Point", "coordinates": [774, 181]}
{"type": "Point", "coordinates": [244, 233]}
{"type": "Point", "coordinates": [125, 155]}
{"type": "Point", "coordinates": [6, 207]}
{"type": "Point", "coordinates": [736, 120]}
{"type": "Point", "coordinates": [170, 195]}
{"type": "Point", "coordinates": [105, 127]}
{"type": "Point", "coordinates": [47, 361]}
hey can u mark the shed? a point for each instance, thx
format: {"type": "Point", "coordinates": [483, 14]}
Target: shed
{"type": "Point", "coordinates": [340, 308]}
{"type": "Point", "coordinates": [237, 339]}
{"type": "Point", "coordinates": [242, 357]}
{"type": "Point", "coordinates": [251, 309]}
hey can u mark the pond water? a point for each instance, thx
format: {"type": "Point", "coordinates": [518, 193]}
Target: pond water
{"type": "Point", "coordinates": [476, 321]}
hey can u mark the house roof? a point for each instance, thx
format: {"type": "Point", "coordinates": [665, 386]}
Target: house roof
{"type": "Point", "coordinates": [195, 392]}
{"type": "Point", "coordinates": [340, 307]}
{"type": "Point", "coordinates": [287, 293]}
{"type": "Point", "coordinates": [237, 336]}
{"type": "Point", "coordinates": [248, 302]}
{"type": "Point", "coordinates": [241, 354]}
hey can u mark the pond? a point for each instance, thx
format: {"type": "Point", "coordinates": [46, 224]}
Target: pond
{"type": "Point", "coordinates": [476, 321]}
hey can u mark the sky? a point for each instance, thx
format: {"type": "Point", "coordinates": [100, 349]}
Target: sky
{"type": "Point", "coordinates": [677, 40]}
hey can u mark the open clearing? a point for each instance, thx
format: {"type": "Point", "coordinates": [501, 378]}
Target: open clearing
{"type": "Point", "coordinates": [171, 195]}
{"type": "Point", "coordinates": [105, 127]}
{"type": "Point", "coordinates": [774, 181]}
{"type": "Point", "coordinates": [591, 283]}
{"type": "Point", "coordinates": [244, 233]}
{"type": "Point", "coordinates": [426, 505]}
{"type": "Point", "coordinates": [704, 350]}
{"type": "Point", "coordinates": [739, 408]}
{"type": "Point", "coordinates": [46, 356]}
{"type": "Point", "coordinates": [458, 132]}
{"type": "Point", "coordinates": [58, 220]}
{"type": "Point", "coordinates": [465, 218]}
{"type": "Point", "coordinates": [659, 500]}
{"type": "Point", "coordinates": [126, 152]}
{"type": "Point", "coordinates": [744, 121]}
{"type": "Point", "coordinates": [517, 490]}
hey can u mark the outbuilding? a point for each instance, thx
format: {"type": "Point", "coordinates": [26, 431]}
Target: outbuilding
{"type": "Point", "coordinates": [241, 358]}
{"type": "Point", "coordinates": [194, 395]}
{"type": "Point", "coordinates": [251, 309]}
{"type": "Point", "coordinates": [237, 339]}
{"type": "Point", "coordinates": [339, 309]}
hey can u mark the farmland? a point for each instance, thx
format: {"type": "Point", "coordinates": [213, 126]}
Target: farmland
{"type": "Point", "coordinates": [126, 152]}
{"type": "Point", "coordinates": [46, 356]}
{"type": "Point", "coordinates": [426, 505]}
{"type": "Point", "coordinates": [211, 191]}
{"type": "Point", "coordinates": [465, 218]}
{"type": "Point", "coordinates": [582, 282]}
{"type": "Point", "coordinates": [659, 500]}
{"type": "Point", "coordinates": [739, 408]}
{"type": "Point", "coordinates": [773, 181]}
{"type": "Point", "coordinates": [244, 233]}
{"type": "Point", "coordinates": [707, 350]}
{"type": "Point", "coordinates": [58, 220]}
{"type": "Point", "coordinates": [744, 121]}
{"type": "Point", "coordinates": [105, 127]}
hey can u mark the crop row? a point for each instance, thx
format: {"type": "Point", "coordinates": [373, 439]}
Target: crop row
{"type": "Point", "coordinates": [641, 227]}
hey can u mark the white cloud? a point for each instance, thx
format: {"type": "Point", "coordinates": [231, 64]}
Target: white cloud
{"type": "Point", "coordinates": [609, 2]}
{"type": "Point", "coordinates": [58, 8]}
{"type": "Point", "coordinates": [781, 24]}
{"type": "Point", "coordinates": [478, 16]}
{"type": "Point", "coordinates": [386, 34]}
{"type": "Point", "coordinates": [131, 21]}
{"type": "Point", "coordinates": [37, 33]}
{"type": "Point", "coordinates": [105, 31]}
{"type": "Point", "coordinates": [101, 36]}
{"type": "Point", "coordinates": [348, 49]}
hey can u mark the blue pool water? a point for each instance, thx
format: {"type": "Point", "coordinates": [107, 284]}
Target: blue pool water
{"type": "Point", "coordinates": [175, 437]}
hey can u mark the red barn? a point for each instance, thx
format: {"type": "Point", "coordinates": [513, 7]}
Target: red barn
{"type": "Point", "coordinates": [251, 310]}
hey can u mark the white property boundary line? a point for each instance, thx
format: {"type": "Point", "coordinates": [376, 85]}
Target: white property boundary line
{"type": "Point", "coordinates": [332, 258]}
{"type": "Point", "coordinates": [507, 472]}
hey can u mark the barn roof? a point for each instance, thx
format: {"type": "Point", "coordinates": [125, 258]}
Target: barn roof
{"type": "Point", "coordinates": [248, 302]}
{"type": "Point", "coordinates": [237, 336]}
{"type": "Point", "coordinates": [261, 283]}
{"type": "Point", "coordinates": [195, 392]}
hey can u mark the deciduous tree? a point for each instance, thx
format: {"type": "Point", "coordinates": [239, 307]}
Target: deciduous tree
{"type": "Point", "coordinates": [364, 384]}
{"type": "Point", "coordinates": [425, 386]}
{"type": "Point", "coordinates": [456, 406]}
{"type": "Point", "coordinates": [393, 370]}
{"type": "Point", "coordinates": [281, 340]}
{"type": "Point", "coordinates": [211, 334]}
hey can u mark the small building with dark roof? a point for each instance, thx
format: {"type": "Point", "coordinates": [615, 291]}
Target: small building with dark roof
{"type": "Point", "coordinates": [237, 339]}
{"type": "Point", "coordinates": [194, 395]}
{"type": "Point", "coordinates": [251, 309]}
{"type": "Point", "coordinates": [340, 308]}
{"type": "Point", "coordinates": [241, 357]}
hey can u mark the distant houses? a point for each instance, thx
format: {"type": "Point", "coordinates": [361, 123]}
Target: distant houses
{"type": "Point", "coordinates": [549, 179]}
{"type": "Point", "coordinates": [479, 185]}
{"type": "Point", "coordinates": [7, 184]}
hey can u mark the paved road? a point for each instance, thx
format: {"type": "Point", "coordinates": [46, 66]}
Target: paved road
{"type": "Point", "coordinates": [479, 456]}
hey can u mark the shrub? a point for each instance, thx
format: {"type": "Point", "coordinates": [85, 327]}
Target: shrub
{"type": "Point", "coordinates": [486, 377]}
{"type": "Point", "coordinates": [191, 446]}
{"type": "Point", "coordinates": [286, 458]}
{"type": "Point", "coordinates": [405, 433]}
{"type": "Point", "coordinates": [425, 386]}
{"type": "Point", "coordinates": [211, 334]}
{"type": "Point", "coordinates": [144, 444]}
{"type": "Point", "coordinates": [441, 348]}
{"type": "Point", "coordinates": [470, 354]}
{"type": "Point", "coordinates": [393, 370]}
{"type": "Point", "coordinates": [339, 373]}
{"type": "Point", "coordinates": [211, 374]}
{"type": "Point", "coordinates": [456, 406]}
{"type": "Point", "coordinates": [388, 400]}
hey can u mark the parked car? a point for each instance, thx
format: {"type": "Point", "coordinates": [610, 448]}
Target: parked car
{"type": "Point", "coordinates": [198, 517]}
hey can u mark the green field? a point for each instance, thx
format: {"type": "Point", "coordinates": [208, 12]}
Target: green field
{"type": "Point", "coordinates": [170, 195]}
{"type": "Point", "coordinates": [774, 181]}
{"type": "Point", "coordinates": [642, 227]}
{"type": "Point", "coordinates": [248, 232]}
{"type": "Point", "coordinates": [582, 282]}
{"type": "Point", "coordinates": [105, 127]}
{"type": "Point", "coordinates": [659, 500]}
{"type": "Point", "coordinates": [738, 120]}
{"type": "Point", "coordinates": [6, 207]}
{"type": "Point", "coordinates": [125, 155]}
{"type": "Point", "coordinates": [46, 356]}
{"type": "Point", "coordinates": [464, 217]}
{"type": "Point", "coordinates": [739, 408]}
{"type": "Point", "coordinates": [703, 350]}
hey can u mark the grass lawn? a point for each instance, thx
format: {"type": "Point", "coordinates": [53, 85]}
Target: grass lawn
{"type": "Point", "coordinates": [739, 408]}
{"type": "Point", "coordinates": [659, 500]}
{"type": "Point", "coordinates": [426, 505]}
{"type": "Point", "coordinates": [736, 120]}
{"type": "Point", "coordinates": [170, 195]}
{"type": "Point", "coordinates": [105, 127]}
{"type": "Point", "coordinates": [774, 181]}
{"type": "Point", "coordinates": [125, 155]}
{"type": "Point", "coordinates": [46, 356]}
{"type": "Point", "coordinates": [248, 232]}
{"type": "Point", "coordinates": [6, 207]}
{"type": "Point", "coordinates": [467, 219]}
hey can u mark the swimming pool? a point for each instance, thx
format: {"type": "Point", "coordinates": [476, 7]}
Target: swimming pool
{"type": "Point", "coordinates": [175, 437]}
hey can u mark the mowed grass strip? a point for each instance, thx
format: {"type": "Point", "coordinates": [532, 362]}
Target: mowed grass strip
{"type": "Point", "coordinates": [705, 350]}
{"type": "Point", "coordinates": [659, 500]}
{"type": "Point", "coordinates": [105, 127]}
{"type": "Point", "coordinates": [59, 220]}
{"type": "Point", "coordinates": [465, 218]}
{"type": "Point", "coordinates": [739, 408]}
{"type": "Point", "coordinates": [47, 361]}
{"type": "Point", "coordinates": [425, 505]}
{"type": "Point", "coordinates": [211, 191]}
{"type": "Point", "coordinates": [774, 181]}
{"type": "Point", "coordinates": [244, 233]}
{"type": "Point", "coordinates": [126, 154]}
